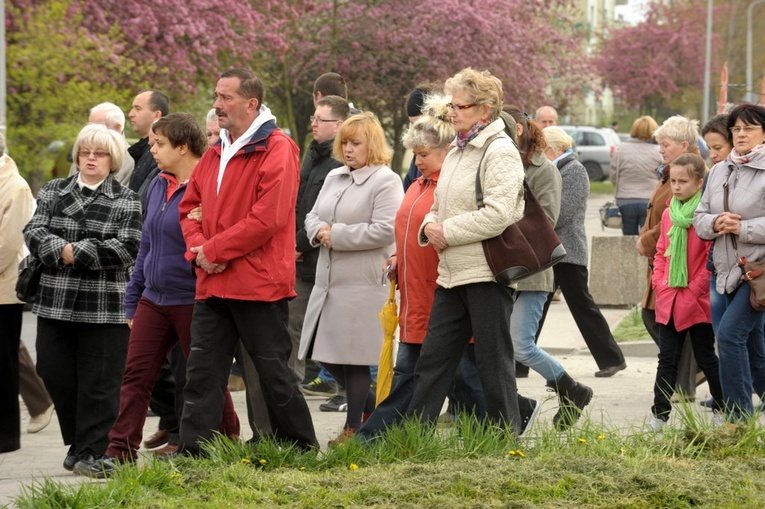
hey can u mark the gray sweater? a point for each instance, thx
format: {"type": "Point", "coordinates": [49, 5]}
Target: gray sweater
{"type": "Point", "coordinates": [573, 206]}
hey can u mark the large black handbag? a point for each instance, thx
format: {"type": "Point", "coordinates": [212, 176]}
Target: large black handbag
{"type": "Point", "coordinates": [527, 246]}
{"type": "Point", "coordinates": [30, 270]}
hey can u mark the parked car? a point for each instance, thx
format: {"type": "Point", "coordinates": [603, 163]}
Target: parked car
{"type": "Point", "coordinates": [594, 147]}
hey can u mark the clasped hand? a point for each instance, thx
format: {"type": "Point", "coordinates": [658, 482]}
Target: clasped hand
{"type": "Point", "coordinates": [325, 236]}
{"type": "Point", "coordinates": [435, 234]}
{"type": "Point", "coordinates": [728, 222]}
{"type": "Point", "coordinates": [207, 265]}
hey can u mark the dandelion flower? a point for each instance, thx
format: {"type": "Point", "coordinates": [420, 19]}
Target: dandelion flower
{"type": "Point", "coordinates": [353, 466]}
{"type": "Point", "coordinates": [601, 437]}
{"type": "Point", "coordinates": [302, 468]}
{"type": "Point", "coordinates": [246, 461]}
{"type": "Point", "coordinates": [262, 461]}
{"type": "Point", "coordinates": [520, 453]}
{"type": "Point", "coordinates": [511, 453]}
{"type": "Point", "coordinates": [175, 475]}
{"type": "Point", "coordinates": [582, 440]}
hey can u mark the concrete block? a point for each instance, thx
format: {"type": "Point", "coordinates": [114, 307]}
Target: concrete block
{"type": "Point", "coordinates": [617, 271]}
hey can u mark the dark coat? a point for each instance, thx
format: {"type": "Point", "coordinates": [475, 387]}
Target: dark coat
{"type": "Point", "coordinates": [104, 228]}
{"type": "Point", "coordinates": [316, 165]}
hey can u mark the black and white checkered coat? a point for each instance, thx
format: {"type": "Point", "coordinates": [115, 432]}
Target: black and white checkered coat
{"type": "Point", "coordinates": [104, 228]}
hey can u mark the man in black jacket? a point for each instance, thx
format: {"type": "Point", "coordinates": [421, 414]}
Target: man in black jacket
{"type": "Point", "coordinates": [331, 111]}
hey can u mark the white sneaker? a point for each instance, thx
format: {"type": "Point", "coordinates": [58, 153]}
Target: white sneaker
{"type": "Point", "coordinates": [40, 422]}
{"type": "Point", "coordinates": [653, 424]}
{"type": "Point", "coordinates": [718, 419]}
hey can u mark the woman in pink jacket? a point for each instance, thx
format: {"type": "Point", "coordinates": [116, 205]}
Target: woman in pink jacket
{"type": "Point", "coordinates": [681, 283]}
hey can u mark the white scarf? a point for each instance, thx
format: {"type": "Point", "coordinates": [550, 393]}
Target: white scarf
{"type": "Point", "coordinates": [229, 149]}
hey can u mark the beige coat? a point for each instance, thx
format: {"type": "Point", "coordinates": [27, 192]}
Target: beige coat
{"type": "Point", "coordinates": [16, 208]}
{"type": "Point", "coordinates": [341, 319]}
{"type": "Point", "coordinates": [465, 226]}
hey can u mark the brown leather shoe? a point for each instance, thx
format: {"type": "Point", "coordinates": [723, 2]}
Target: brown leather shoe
{"type": "Point", "coordinates": [157, 439]}
{"type": "Point", "coordinates": [167, 450]}
{"type": "Point", "coordinates": [345, 436]}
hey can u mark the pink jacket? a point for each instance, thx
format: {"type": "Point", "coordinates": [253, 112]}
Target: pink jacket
{"type": "Point", "coordinates": [686, 306]}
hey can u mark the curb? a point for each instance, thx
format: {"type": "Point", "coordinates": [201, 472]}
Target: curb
{"type": "Point", "coordinates": [629, 349]}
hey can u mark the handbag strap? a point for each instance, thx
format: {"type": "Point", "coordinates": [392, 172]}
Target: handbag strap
{"type": "Point", "coordinates": [478, 188]}
{"type": "Point", "coordinates": [726, 208]}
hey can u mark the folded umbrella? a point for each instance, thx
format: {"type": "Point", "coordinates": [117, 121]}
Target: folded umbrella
{"type": "Point", "coordinates": [388, 321]}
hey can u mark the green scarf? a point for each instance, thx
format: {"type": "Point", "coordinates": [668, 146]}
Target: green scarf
{"type": "Point", "coordinates": [681, 215]}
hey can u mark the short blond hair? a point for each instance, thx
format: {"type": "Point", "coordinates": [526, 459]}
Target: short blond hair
{"type": "Point", "coordinates": [378, 151]}
{"type": "Point", "coordinates": [643, 128]}
{"type": "Point", "coordinates": [434, 129]}
{"type": "Point", "coordinates": [557, 138]}
{"type": "Point", "coordinates": [679, 129]}
{"type": "Point", "coordinates": [99, 136]}
{"type": "Point", "coordinates": [482, 87]}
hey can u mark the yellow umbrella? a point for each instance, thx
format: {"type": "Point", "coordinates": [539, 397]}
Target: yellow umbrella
{"type": "Point", "coordinates": [388, 321]}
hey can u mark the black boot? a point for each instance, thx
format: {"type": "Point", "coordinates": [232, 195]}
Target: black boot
{"type": "Point", "coordinates": [572, 397]}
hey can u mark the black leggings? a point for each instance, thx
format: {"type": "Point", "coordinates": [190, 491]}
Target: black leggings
{"type": "Point", "coordinates": [361, 400]}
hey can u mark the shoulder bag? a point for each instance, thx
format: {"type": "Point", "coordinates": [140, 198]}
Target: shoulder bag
{"type": "Point", "coordinates": [527, 246]}
{"type": "Point", "coordinates": [751, 271]}
{"type": "Point", "coordinates": [30, 270]}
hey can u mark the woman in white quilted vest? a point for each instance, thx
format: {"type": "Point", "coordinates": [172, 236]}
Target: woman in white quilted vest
{"type": "Point", "coordinates": [468, 301]}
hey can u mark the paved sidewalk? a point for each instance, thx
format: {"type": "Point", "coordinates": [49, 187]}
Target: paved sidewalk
{"type": "Point", "coordinates": [622, 401]}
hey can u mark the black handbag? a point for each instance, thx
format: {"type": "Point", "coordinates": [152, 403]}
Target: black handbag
{"type": "Point", "coordinates": [527, 246]}
{"type": "Point", "coordinates": [30, 270]}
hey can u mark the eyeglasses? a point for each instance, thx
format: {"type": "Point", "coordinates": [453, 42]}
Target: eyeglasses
{"type": "Point", "coordinates": [98, 154]}
{"type": "Point", "coordinates": [747, 129]}
{"type": "Point", "coordinates": [455, 107]}
{"type": "Point", "coordinates": [320, 120]}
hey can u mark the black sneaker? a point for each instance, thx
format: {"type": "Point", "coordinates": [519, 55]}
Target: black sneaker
{"type": "Point", "coordinates": [99, 468]}
{"type": "Point", "coordinates": [337, 403]}
{"type": "Point", "coordinates": [319, 387]}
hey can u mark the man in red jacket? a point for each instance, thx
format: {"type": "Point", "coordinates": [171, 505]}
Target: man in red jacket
{"type": "Point", "coordinates": [243, 251]}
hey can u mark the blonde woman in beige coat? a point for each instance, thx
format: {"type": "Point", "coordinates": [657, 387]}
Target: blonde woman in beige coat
{"type": "Point", "coordinates": [16, 206]}
{"type": "Point", "coordinates": [352, 220]}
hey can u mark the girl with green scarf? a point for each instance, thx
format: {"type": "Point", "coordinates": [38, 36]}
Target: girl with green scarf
{"type": "Point", "coordinates": [681, 283]}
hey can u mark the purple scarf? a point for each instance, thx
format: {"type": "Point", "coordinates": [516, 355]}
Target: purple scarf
{"type": "Point", "coordinates": [464, 139]}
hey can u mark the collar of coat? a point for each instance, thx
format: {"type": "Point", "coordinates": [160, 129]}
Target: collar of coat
{"type": "Point", "coordinates": [358, 176]}
{"type": "Point", "coordinates": [489, 132]}
{"type": "Point", "coordinates": [258, 142]}
{"type": "Point", "coordinates": [110, 187]}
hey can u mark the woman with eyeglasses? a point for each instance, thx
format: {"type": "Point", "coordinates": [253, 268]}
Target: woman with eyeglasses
{"type": "Point", "coordinates": [738, 230]}
{"type": "Point", "coordinates": [86, 232]}
{"type": "Point", "coordinates": [468, 302]}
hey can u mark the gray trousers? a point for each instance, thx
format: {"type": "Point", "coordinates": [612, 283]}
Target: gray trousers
{"type": "Point", "coordinates": [481, 311]}
{"type": "Point", "coordinates": [31, 386]}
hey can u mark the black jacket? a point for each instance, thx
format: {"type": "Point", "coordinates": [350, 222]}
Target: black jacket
{"type": "Point", "coordinates": [316, 165]}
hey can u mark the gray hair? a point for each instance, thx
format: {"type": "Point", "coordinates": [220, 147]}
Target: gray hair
{"type": "Point", "coordinates": [113, 115]}
{"type": "Point", "coordinates": [99, 136]}
{"type": "Point", "coordinates": [211, 116]}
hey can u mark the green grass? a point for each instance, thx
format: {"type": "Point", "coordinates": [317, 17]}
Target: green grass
{"type": "Point", "coordinates": [631, 327]}
{"type": "Point", "coordinates": [690, 464]}
{"type": "Point", "coordinates": [604, 187]}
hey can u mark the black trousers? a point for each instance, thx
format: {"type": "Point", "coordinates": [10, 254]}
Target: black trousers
{"type": "Point", "coordinates": [671, 342]}
{"type": "Point", "coordinates": [573, 283]}
{"type": "Point", "coordinates": [482, 311]}
{"type": "Point", "coordinates": [10, 337]}
{"type": "Point", "coordinates": [82, 365]}
{"type": "Point", "coordinates": [216, 327]}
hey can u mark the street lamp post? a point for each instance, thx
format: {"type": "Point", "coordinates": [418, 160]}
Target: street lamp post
{"type": "Point", "coordinates": [708, 64]}
{"type": "Point", "coordinates": [749, 86]}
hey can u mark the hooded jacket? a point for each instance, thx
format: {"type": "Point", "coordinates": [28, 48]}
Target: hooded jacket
{"type": "Point", "coordinates": [250, 224]}
{"type": "Point", "coordinates": [747, 198]}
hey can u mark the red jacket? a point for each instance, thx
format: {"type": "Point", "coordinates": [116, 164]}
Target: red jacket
{"type": "Point", "coordinates": [417, 267]}
{"type": "Point", "coordinates": [250, 223]}
{"type": "Point", "coordinates": [686, 306]}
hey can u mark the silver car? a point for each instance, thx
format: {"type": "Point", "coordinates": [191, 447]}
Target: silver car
{"type": "Point", "coordinates": [594, 147]}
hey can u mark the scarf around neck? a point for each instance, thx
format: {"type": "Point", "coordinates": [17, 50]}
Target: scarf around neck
{"type": "Point", "coordinates": [742, 159]}
{"type": "Point", "coordinates": [463, 140]}
{"type": "Point", "coordinates": [681, 214]}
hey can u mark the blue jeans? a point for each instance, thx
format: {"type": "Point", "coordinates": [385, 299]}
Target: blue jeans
{"type": "Point", "coordinates": [741, 346]}
{"type": "Point", "coordinates": [716, 302]}
{"type": "Point", "coordinates": [524, 322]}
{"type": "Point", "coordinates": [633, 215]}
{"type": "Point", "coordinates": [390, 411]}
